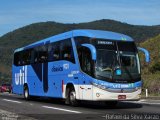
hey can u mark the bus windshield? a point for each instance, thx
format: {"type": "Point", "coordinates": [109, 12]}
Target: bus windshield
{"type": "Point", "coordinates": [129, 62]}
{"type": "Point", "coordinates": [112, 55]}
{"type": "Point", "coordinates": [109, 60]}
{"type": "Point", "coordinates": [106, 60]}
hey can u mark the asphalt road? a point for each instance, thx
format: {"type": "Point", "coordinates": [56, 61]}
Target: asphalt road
{"type": "Point", "coordinates": [14, 107]}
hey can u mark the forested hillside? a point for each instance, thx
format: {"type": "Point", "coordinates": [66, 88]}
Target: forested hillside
{"type": "Point", "coordinates": [151, 71]}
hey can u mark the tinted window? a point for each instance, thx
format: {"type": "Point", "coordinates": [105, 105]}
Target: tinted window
{"type": "Point", "coordinates": [42, 54]}
{"type": "Point", "coordinates": [17, 57]}
{"type": "Point", "coordinates": [61, 50]}
{"type": "Point", "coordinates": [26, 56]}
{"type": "Point", "coordinates": [126, 46]}
{"type": "Point", "coordinates": [22, 58]}
{"type": "Point", "coordinates": [35, 57]}
{"type": "Point", "coordinates": [85, 59]}
{"type": "Point", "coordinates": [54, 51]}
{"type": "Point", "coordinates": [67, 51]}
{"type": "Point", "coordinates": [82, 40]}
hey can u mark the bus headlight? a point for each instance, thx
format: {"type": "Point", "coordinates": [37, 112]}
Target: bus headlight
{"type": "Point", "coordinates": [103, 87]}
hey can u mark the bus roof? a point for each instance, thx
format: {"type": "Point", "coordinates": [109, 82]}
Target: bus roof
{"type": "Point", "coordinates": [101, 34]}
{"type": "Point", "coordinates": [81, 32]}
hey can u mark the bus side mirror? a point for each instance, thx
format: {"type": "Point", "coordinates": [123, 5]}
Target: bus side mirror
{"type": "Point", "coordinates": [147, 56]}
{"type": "Point", "coordinates": [92, 49]}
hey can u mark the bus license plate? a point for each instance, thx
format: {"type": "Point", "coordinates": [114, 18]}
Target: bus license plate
{"type": "Point", "coordinates": [121, 97]}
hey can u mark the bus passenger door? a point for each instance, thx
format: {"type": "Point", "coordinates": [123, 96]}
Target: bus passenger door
{"type": "Point", "coordinates": [85, 88]}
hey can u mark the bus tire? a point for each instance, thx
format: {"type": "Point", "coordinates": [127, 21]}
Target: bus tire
{"type": "Point", "coordinates": [26, 93]}
{"type": "Point", "coordinates": [72, 97]}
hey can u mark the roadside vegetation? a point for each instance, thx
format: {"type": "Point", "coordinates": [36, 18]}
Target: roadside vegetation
{"type": "Point", "coordinates": [151, 71]}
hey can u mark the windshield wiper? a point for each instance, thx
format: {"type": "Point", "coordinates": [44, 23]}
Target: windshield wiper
{"type": "Point", "coordinates": [106, 69]}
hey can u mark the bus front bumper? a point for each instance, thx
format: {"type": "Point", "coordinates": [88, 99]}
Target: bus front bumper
{"type": "Point", "coordinates": [104, 95]}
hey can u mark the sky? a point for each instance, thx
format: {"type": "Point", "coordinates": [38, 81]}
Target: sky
{"type": "Point", "coordinates": [18, 13]}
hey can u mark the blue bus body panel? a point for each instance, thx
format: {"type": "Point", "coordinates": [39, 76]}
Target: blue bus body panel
{"type": "Point", "coordinates": [58, 72]}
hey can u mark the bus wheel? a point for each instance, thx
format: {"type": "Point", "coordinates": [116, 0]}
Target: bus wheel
{"type": "Point", "coordinates": [26, 93]}
{"type": "Point", "coordinates": [72, 97]}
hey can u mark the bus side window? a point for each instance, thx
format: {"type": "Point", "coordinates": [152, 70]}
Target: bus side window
{"type": "Point", "coordinates": [56, 55]}
{"type": "Point", "coordinates": [26, 59]}
{"type": "Point", "coordinates": [32, 56]}
{"type": "Point", "coordinates": [17, 60]}
{"type": "Point", "coordinates": [35, 59]}
{"type": "Point", "coordinates": [22, 58]}
{"type": "Point", "coordinates": [67, 51]}
{"type": "Point", "coordinates": [50, 53]}
{"type": "Point", "coordinates": [42, 54]}
{"type": "Point", "coordinates": [85, 59]}
{"type": "Point", "coordinates": [54, 51]}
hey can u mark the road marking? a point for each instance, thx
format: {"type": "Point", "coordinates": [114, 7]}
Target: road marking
{"type": "Point", "coordinates": [61, 109]}
{"type": "Point", "coordinates": [11, 101]}
{"type": "Point", "coordinates": [150, 103]}
{"type": "Point", "coordinates": [143, 102]}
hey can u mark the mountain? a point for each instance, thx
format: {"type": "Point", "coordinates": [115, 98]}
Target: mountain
{"type": "Point", "coordinates": [37, 31]}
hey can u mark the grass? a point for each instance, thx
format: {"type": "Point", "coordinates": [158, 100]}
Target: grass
{"type": "Point", "coordinates": [151, 71]}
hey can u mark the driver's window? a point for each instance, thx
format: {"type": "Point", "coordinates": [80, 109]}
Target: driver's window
{"type": "Point", "coordinates": [85, 59]}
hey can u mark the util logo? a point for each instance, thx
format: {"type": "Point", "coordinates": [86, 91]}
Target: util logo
{"type": "Point", "coordinates": [21, 77]}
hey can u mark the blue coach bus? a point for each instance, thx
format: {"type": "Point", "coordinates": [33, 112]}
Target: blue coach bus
{"type": "Point", "coordinates": [78, 65]}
